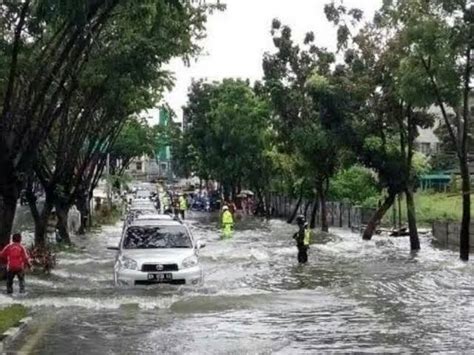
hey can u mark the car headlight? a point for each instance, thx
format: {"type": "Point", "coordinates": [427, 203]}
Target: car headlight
{"type": "Point", "coordinates": [128, 263]}
{"type": "Point", "coordinates": [190, 262]}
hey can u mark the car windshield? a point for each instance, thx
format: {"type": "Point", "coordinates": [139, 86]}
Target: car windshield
{"type": "Point", "coordinates": [157, 237]}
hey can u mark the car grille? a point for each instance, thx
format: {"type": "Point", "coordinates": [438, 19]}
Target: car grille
{"type": "Point", "coordinates": [154, 282]}
{"type": "Point", "coordinates": [166, 267]}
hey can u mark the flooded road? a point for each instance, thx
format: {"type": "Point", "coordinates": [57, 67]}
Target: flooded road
{"type": "Point", "coordinates": [353, 296]}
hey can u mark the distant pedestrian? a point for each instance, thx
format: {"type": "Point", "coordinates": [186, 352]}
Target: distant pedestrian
{"type": "Point", "coordinates": [244, 206]}
{"type": "Point", "coordinates": [227, 222]}
{"type": "Point", "coordinates": [250, 206]}
{"type": "Point", "coordinates": [17, 260]}
{"type": "Point", "coordinates": [74, 219]}
{"type": "Point", "coordinates": [182, 205]}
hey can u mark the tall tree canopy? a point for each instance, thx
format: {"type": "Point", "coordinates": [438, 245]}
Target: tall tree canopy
{"type": "Point", "coordinates": [226, 137]}
{"type": "Point", "coordinates": [74, 76]}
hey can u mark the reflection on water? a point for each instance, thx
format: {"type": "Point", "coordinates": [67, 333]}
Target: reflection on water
{"type": "Point", "coordinates": [352, 296]}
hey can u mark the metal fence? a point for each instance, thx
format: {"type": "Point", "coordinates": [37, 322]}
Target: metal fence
{"type": "Point", "coordinates": [339, 214]}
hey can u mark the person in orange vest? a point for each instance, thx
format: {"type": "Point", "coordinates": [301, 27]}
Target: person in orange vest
{"type": "Point", "coordinates": [17, 261]}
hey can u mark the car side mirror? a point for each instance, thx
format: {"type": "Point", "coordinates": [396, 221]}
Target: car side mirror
{"type": "Point", "coordinates": [113, 248]}
{"type": "Point", "coordinates": [200, 244]}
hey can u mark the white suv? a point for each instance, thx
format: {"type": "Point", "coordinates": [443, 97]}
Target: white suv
{"type": "Point", "coordinates": [157, 251]}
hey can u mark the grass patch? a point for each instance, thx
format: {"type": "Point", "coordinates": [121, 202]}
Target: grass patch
{"type": "Point", "coordinates": [432, 207]}
{"type": "Point", "coordinates": [10, 316]}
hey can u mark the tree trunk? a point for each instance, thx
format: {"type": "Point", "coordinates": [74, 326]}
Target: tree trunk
{"type": "Point", "coordinates": [312, 223]}
{"type": "Point", "coordinates": [234, 192]}
{"type": "Point", "coordinates": [62, 211]}
{"type": "Point", "coordinates": [306, 208]}
{"type": "Point", "coordinates": [411, 214]}
{"type": "Point", "coordinates": [466, 211]}
{"type": "Point", "coordinates": [399, 202]}
{"type": "Point", "coordinates": [295, 210]}
{"type": "Point", "coordinates": [8, 201]}
{"type": "Point", "coordinates": [41, 223]}
{"type": "Point", "coordinates": [83, 205]}
{"type": "Point", "coordinates": [378, 215]}
{"type": "Point", "coordinates": [324, 214]}
{"type": "Point", "coordinates": [466, 183]}
{"type": "Point", "coordinates": [226, 192]}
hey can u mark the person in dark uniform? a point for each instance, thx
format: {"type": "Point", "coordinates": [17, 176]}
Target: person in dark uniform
{"type": "Point", "coordinates": [303, 239]}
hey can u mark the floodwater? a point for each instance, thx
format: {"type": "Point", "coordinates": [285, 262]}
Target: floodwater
{"type": "Point", "coordinates": [352, 296]}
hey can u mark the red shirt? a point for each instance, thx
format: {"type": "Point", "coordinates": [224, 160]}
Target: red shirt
{"type": "Point", "coordinates": [16, 257]}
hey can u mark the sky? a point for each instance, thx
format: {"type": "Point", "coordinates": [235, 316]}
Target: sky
{"type": "Point", "coordinates": [238, 37]}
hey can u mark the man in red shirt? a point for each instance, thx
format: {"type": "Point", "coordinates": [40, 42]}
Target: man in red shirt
{"type": "Point", "coordinates": [17, 261]}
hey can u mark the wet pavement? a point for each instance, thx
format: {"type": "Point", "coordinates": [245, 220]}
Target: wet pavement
{"type": "Point", "coordinates": [352, 296]}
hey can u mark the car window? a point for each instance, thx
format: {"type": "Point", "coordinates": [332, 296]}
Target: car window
{"type": "Point", "coordinates": [157, 237]}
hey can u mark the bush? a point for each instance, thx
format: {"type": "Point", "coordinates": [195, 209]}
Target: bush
{"type": "Point", "coordinates": [357, 185]}
{"type": "Point", "coordinates": [43, 259]}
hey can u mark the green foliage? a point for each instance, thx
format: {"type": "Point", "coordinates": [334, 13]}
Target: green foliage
{"type": "Point", "coordinates": [356, 185]}
{"type": "Point", "coordinates": [443, 161]}
{"type": "Point", "coordinates": [76, 72]}
{"type": "Point", "coordinates": [227, 135]}
{"type": "Point", "coordinates": [119, 182]}
{"type": "Point", "coordinates": [306, 110]}
{"type": "Point", "coordinates": [135, 140]}
{"type": "Point", "coordinates": [421, 164]}
{"type": "Point", "coordinates": [437, 206]}
{"type": "Point", "coordinates": [455, 184]}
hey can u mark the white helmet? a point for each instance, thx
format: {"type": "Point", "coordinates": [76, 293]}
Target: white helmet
{"type": "Point", "coordinates": [225, 208]}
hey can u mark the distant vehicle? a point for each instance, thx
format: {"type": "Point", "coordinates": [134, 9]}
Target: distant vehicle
{"type": "Point", "coordinates": [157, 217]}
{"type": "Point", "coordinates": [135, 211]}
{"type": "Point", "coordinates": [142, 195]}
{"type": "Point", "coordinates": [154, 252]}
{"type": "Point", "coordinates": [142, 203]}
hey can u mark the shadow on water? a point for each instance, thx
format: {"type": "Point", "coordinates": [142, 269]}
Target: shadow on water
{"type": "Point", "coordinates": [352, 296]}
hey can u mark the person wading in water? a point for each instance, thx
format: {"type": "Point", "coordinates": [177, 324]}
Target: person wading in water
{"type": "Point", "coordinates": [303, 239]}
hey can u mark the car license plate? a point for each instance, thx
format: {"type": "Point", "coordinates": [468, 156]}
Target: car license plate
{"type": "Point", "coordinates": [160, 277]}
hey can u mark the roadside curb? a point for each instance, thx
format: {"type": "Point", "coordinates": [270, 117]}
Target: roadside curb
{"type": "Point", "coordinates": [11, 334]}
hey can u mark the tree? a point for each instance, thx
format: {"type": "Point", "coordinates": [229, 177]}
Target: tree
{"type": "Point", "coordinates": [388, 113]}
{"type": "Point", "coordinates": [356, 184]}
{"type": "Point", "coordinates": [305, 106]}
{"type": "Point", "coordinates": [118, 77]}
{"type": "Point", "coordinates": [437, 37]}
{"type": "Point", "coordinates": [226, 138]}
{"type": "Point", "coordinates": [47, 43]}
{"type": "Point", "coordinates": [134, 140]}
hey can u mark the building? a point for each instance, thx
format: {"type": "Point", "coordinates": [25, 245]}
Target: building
{"type": "Point", "coordinates": [427, 142]}
{"type": "Point", "coordinates": [163, 152]}
{"type": "Point", "coordinates": [158, 166]}
{"type": "Point", "coordinates": [143, 168]}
